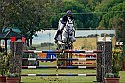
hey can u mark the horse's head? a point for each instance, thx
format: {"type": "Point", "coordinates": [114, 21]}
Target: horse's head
{"type": "Point", "coordinates": [69, 24]}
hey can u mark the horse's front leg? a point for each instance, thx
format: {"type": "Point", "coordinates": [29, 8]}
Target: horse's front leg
{"type": "Point", "coordinates": [73, 39]}
{"type": "Point", "coordinates": [64, 36]}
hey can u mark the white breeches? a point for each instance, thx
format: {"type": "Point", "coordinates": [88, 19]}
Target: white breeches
{"type": "Point", "coordinates": [60, 26]}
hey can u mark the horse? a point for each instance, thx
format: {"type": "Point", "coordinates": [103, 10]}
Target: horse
{"type": "Point", "coordinates": [68, 34]}
{"type": "Point", "coordinates": [65, 40]}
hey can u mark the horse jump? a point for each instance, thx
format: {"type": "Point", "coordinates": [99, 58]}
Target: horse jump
{"type": "Point", "coordinates": [103, 53]}
{"type": "Point", "coordinates": [58, 67]}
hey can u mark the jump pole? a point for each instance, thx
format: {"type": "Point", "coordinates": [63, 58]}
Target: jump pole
{"type": "Point", "coordinates": [68, 59]}
{"type": "Point", "coordinates": [65, 51]}
{"type": "Point", "coordinates": [58, 75]}
{"type": "Point", "coordinates": [65, 67]}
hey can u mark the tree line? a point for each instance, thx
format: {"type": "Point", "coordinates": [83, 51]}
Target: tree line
{"type": "Point", "coordinates": [31, 16]}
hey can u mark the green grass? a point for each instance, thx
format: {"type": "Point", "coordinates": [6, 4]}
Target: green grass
{"type": "Point", "coordinates": [55, 79]}
{"type": "Point", "coordinates": [122, 76]}
{"type": "Point", "coordinates": [61, 79]}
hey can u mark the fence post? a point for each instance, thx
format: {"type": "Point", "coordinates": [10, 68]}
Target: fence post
{"type": "Point", "coordinates": [16, 59]}
{"type": "Point", "coordinates": [104, 60]}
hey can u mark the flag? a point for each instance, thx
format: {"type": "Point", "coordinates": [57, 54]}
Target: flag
{"type": "Point", "coordinates": [13, 39]}
{"type": "Point", "coordinates": [23, 39]}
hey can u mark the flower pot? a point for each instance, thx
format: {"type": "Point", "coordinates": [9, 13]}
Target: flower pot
{"type": "Point", "coordinates": [12, 80]}
{"type": "Point", "coordinates": [2, 79]}
{"type": "Point", "coordinates": [112, 80]}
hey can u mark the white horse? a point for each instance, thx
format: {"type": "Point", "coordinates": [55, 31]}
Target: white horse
{"type": "Point", "coordinates": [68, 34]}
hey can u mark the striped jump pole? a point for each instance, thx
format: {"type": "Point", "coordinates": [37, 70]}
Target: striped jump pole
{"type": "Point", "coordinates": [77, 62]}
{"type": "Point", "coordinates": [67, 59]}
{"type": "Point", "coordinates": [84, 63]}
{"type": "Point", "coordinates": [58, 75]}
{"type": "Point", "coordinates": [65, 67]}
{"type": "Point", "coordinates": [87, 55]}
{"type": "Point", "coordinates": [61, 51]}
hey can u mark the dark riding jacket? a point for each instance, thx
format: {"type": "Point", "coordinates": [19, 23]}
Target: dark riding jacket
{"type": "Point", "coordinates": [65, 19]}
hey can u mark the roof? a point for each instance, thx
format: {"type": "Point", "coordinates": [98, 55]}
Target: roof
{"type": "Point", "coordinates": [13, 29]}
{"type": "Point", "coordinates": [10, 33]}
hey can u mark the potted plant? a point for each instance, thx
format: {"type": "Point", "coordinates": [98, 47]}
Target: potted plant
{"type": "Point", "coordinates": [112, 78]}
{"type": "Point", "coordinates": [116, 67]}
{"type": "Point", "coordinates": [3, 67]}
{"type": "Point", "coordinates": [13, 78]}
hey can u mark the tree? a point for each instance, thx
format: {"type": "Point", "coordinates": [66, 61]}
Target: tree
{"type": "Point", "coordinates": [114, 18]}
{"type": "Point", "coordinates": [118, 25]}
{"type": "Point", "coordinates": [83, 20]}
{"type": "Point", "coordinates": [29, 16]}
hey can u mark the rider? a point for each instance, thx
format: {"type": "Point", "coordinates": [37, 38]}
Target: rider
{"type": "Point", "coordinates": [63, 22]}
